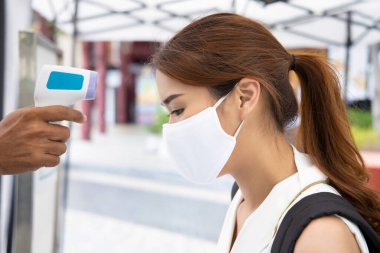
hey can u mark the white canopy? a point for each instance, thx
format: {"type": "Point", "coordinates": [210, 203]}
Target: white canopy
{"type": "Point", "coordinates": [296, 23]}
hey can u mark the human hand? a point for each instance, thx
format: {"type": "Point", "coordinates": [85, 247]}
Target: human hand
{"type": "Point", "coordinates": [28, 141]}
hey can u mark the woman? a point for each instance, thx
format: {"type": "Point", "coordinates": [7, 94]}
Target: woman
{"type": "Point", "coordinates": [225, 81]}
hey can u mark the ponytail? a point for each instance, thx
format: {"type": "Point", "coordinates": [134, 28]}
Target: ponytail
{"type": "Point", "coordinates": [325, 135]}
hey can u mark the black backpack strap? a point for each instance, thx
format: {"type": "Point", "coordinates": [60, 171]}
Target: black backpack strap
{"type": "Point", "coordinates": [234, 190]}
{"type": "Point", "coordinates": [313, 207]}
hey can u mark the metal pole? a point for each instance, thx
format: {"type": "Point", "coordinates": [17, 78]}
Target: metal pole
{"type": "Point", "coordinates": [375, 107]}
{"type": "Point", "coordinates": [2, 81]}
{"type": "Point", "coordinates": [233, 6]}
{"type": "Point", "coordinates": [66, 166]}
{"type": "Point", "coordinates": [348, 52]}
{"type": "Point", "coordinates": [87, 104]}
{"type": "Point", "coordinates": [2, 56]}
{"type": "Point", "coordinates": [75, 34]}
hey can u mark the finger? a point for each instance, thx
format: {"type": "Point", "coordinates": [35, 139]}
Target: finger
{"type": "Point", "coordinates": [59, 113]}
{"type": "Point", "coordinates": [50, 160]}
{"type": "Point", "coordinates": [55, 148]}
{"type": "Point", "coordinates": [56, 132]}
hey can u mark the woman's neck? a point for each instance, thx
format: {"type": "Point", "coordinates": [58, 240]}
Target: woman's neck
{"type": "Point", "coordinates": [262, 163]}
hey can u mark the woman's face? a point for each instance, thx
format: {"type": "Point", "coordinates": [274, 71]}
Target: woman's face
{"type": "Point", "coordinates": [182, 101]}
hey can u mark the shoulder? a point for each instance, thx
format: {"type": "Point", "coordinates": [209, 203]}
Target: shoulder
{"type": "Point", "coordinates": [327, 234]}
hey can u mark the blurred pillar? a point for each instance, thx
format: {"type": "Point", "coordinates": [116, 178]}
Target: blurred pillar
{"type": "Point", "coordinates": [375, 55]}
{"type": "Point", "coordinates": [101, 68]}
{"type": "Point", "coordinates": [87, 104]}
{"type": "Point", "coordinates": [45, 27]}
{"type": "Point", "coordinates": [121, 94]}
{"type": "Point", "coordinates": [372, 162]}
{"type": "Point", "coordinates": [132, 53]}
{"type": "Point", "coordinates": [131, 97]}
{"type": "Point", "coordinates": [374, 181]}
{"type": "Point", "coordinates": [126, 92]}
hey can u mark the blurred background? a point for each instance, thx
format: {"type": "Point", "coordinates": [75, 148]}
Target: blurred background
{"type": "Point", "coordinates": [116, 189]}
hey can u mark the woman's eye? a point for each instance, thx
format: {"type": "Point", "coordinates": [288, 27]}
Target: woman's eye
{"type": "Point", "coordinates": [177, 112]}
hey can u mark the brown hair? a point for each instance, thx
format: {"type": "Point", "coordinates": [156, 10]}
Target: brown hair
{"type": "Point", "coordinates": [218, 50]}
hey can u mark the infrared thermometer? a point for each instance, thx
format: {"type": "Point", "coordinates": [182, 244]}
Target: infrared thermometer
{"type": "Point", "coordinates": [60, 85]}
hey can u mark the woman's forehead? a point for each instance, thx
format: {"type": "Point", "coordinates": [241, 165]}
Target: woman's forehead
{"type": "Point", "coordinates": [167, 86]}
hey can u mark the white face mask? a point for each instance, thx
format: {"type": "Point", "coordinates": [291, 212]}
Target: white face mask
{"type": "Point", "coordinates": [199, 145]}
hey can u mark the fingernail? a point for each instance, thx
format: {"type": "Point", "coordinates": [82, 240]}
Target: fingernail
{"type": "Point", "coordinates": [84, 118]}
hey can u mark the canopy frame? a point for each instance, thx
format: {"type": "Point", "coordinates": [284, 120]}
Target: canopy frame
{"type": "Point", "coordinates": [343, 13]}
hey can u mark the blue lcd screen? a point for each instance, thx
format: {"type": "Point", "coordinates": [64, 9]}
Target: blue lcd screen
{"type": "Point", "coordinates": [64, 81]}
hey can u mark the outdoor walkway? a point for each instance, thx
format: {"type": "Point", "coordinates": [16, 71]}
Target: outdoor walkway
{"type": "Point", "coordinates": [124, 196]}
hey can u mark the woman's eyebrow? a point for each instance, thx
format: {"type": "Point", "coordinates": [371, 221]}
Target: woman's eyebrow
{"type": "Point", "coordinates": [170, 98]}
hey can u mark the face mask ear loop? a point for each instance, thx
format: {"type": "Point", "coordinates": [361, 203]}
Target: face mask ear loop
{"type": "Point", "coordinates": [223, 98]}
{"type": "Point", "coordinates": [220, 101]}
{"type": "Point", "coordinates": [238, 130]}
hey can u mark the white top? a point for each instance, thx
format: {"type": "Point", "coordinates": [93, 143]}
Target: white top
{"type": "Point", "coordinates": [256, 235]}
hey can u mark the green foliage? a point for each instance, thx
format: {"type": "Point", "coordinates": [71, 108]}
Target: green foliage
{"type": "Point", "coordinates": [361, 125]}
{"type": "Point", "coordinates": [360, 118]}
{"type": "Point", "coordinates": [161, 118]}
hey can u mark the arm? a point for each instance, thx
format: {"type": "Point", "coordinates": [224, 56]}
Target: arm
{"type": "Point", "coordinates": [328, 235]}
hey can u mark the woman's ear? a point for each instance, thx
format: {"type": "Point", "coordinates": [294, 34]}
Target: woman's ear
{"type": "Point", "coordinates": [248, 90]}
